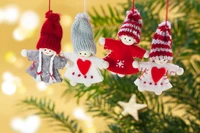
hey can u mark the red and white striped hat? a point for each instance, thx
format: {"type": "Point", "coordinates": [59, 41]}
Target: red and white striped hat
{"type": "Point", "coordinates": [132, 25]}
{"type": "Point", "coordinates": [162, 42]}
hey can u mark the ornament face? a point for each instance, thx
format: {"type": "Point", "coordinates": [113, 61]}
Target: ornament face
{"type": "Point", "coordinates": [127, 40]}
{"type": "Point", "coordinates": [85, 54]}
{"type": "Point", "coordinates": [48, 52]}
{"type": "Point", "coordinates": [160, 61]}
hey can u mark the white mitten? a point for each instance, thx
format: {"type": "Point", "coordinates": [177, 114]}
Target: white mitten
{"type": "Point", "coordinates": [24, 53]}
{"type": "Point", "coordinates": [102, 41]}
{"type": "Point", "coordinates": [180, 71]}
{"type": "Point", "coordinates": [105, 64]}
{"type": "Point", "coordinates": [135, 64]}
{"type": "Point", "coordinates": [146, 55]}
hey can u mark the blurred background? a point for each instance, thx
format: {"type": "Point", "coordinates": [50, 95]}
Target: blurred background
{"type": "Point", "coordinates": [20, 23]}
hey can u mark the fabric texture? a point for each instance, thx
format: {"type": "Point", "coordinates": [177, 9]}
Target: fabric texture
{"type": "Point", "coordinates": [84, 70]}
{"type": "Point", "coordinates": [58, 63]}
{"type": "Point", "coordinates": [162, 42]}
{"type": "Point", "coordinates": [51, 33]}
{"type": "Point", "coordinates": [132, 25]}
{"type": "Point", "coordinates": [154, 77]}
{"type": "Point", "coordinates": [122, 56]}
{"type": "Point", "coordinates": [82, 34]}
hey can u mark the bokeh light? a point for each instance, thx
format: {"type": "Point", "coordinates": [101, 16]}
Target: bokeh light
{"type": "Point", "coordinates": [41, 86]}
{"type": "Point", "coordinates": [79, 113]}
{"type": "Point", "coordinates": [28, 125]}
{"type": "Point", "coordinates": [66, 20]}
{"type": "Point", "coordinates": [10, 84]}
{"type": "Point", "coordinates": [67, 47]}
{"type": "Point", "coordinates": [11, 14]}
{"type": "Point", "coordinates": [10, 57]}
{"type": "Point", "coordinates": [29, 20]}
{"type": "Point", "coordinates": [19, 34]}
{"type": "Point", "coordinates": [8, 88]}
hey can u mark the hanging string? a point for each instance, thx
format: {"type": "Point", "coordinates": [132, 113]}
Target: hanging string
{"type": "Point", "coordinates": [167, 6]}
{"type": "Point", "coordinates": [133, 4]}
{"type": "Point", "coordinates": [49, 5]}
{"type": "Point", "coordinates": [85, 6]}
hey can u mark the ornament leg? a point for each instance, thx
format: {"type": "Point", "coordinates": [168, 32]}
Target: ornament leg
{"type": "Point", "coordinates": [87, 84]}
{"type": "Point", "coordinates": [121, 75]}
{"type": "Point", "coordinates": [141, 89]}
{"type": "Point", "coordinates": [113, 73]}
{"type": "Point", "coordinates": [158, 92]}
{"type": "Point", "coordinates": [73, 83]}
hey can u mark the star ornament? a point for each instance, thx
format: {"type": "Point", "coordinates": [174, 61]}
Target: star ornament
{"type": "Point", "coordinates": [131, 107]}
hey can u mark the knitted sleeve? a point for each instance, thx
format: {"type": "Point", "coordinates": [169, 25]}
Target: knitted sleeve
{"type": "Point", "coordinates": [33, 55]}
{"type": "Point", "coordinates": [98, 62]}
{"type": "Point", "coordinates": [110, 44]}
{"type": "Point", "coordinates": [59, 62]}
{"type": "Point", "coordinates": [137, 52]}
{"type": "Point", "coordinates": [171, 69]}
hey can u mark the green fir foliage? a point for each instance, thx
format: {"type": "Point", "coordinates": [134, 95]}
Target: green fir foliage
{"type": "Point", "coordinates": [159, 116]}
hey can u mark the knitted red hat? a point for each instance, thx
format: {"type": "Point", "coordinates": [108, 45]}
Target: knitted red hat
{"type": "Point", "coordinates": [132, 25]}
{"type": "Point", "coordinates": [162, 42]}
{"type": "Point", "coordinates": [51, 33]}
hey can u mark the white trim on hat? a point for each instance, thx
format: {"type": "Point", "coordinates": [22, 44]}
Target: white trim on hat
{"type": "Point", "coordinates": [161, 49]}
{"type": "Point", "coordinates": [130, 31]}
{"type": "Point", "coordinates": [164, 23]}
{"type": "Point", "coordinates": [159, 32]}
{"type": "Point", "coordinates": [155, 41]}
{"type": "Point", "coordinates": [163, 57]}
{"type": "Point", "coordinates": [132, 26]}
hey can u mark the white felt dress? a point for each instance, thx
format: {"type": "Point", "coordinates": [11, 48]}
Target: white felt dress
{"type": "Point", "coordinates": [154, 77]}
{"type": "Point", "coordinates": [84, 70]}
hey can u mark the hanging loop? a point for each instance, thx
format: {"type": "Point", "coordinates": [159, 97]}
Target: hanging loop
{"type": "Point", "coordinates": [49, 5]}
{"type": "Point", "coordinates": [167, 6]}
{"type": "Point", "coordinates": [85, 6]}
{"type": "Point", "coordinates": [133, 4]}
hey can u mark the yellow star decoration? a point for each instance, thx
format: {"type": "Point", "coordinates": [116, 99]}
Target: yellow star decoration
{"type": "Point", "coordinates": [131, 107]}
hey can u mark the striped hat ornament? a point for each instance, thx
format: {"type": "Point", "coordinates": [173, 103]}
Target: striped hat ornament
{"type": "Point", "coordinates": [162, 42]}
{"type": "Point", "coordinates": [132, 25]}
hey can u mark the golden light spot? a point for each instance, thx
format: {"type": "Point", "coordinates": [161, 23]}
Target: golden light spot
{"type": "Point", "coordinates": [66, 20]}
{"type": "Point", "coordinates": [10, 57]}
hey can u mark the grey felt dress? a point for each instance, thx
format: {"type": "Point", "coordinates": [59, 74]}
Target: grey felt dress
{"type": "Point", "coordinates": [58, 63]}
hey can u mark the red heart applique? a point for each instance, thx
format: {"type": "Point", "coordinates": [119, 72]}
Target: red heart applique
{"type": "Point", "coordinates": [83, 66]}
{"type": "Point", "coordinates": [157, 73]}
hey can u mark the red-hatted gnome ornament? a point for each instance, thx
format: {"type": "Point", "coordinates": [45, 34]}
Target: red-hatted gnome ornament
{"type": "Point", "coordinates": [154, 76]}
{"type": "Point", "coordinates": [124, 51]}
{"type": "Point", "coordinates": [45, 62]}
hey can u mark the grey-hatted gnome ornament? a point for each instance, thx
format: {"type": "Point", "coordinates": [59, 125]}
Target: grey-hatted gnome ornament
{"type": "Point", "coordinates": [85, 68]}
{"type": "Point", "coordinates": [45, 60]}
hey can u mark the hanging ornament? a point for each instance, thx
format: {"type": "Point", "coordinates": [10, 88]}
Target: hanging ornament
{"type": "Point", "coordinates": [124, 50]}
{"type": "Point", "coordinates": [132, 107]}
{"type": "Point", "coordinates": [45, 60]}
{"type": "Point", "coordinates": [154, 77]}
{"type": "Point", "coordinates": [85, 68]}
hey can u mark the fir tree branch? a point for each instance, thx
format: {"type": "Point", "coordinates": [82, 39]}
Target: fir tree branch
{"type": "Point", "coordinates": [46, 109]}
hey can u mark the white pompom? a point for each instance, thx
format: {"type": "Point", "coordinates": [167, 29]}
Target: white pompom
{"type": "Point", "coordinates": [24, 53]}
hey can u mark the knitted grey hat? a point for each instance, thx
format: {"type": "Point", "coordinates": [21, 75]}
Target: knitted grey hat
{"type": "Point", "coordinates": [82, 35]}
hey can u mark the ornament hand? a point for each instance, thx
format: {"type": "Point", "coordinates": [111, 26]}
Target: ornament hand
{"type": "Point", "coordinates": [102, 41]}
{"type": "Point", "coordinates": [69, 64]}
{"type": "Point", "coordinates": [105, 64]}
{"type": "Point", "coordinates": [24, 53]}
{"type": "Point", "coordinates": [180, 71]}
{"type": "Point", "coordinates": [135, 64]}
{"type": "Point", "coordinates": [146, 55]}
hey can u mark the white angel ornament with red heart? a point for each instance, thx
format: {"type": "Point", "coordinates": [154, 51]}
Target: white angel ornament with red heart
{"type": "Point", "coordinates": [85, 68]}
{"type": "Point", "coordinates": [154, 77]}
